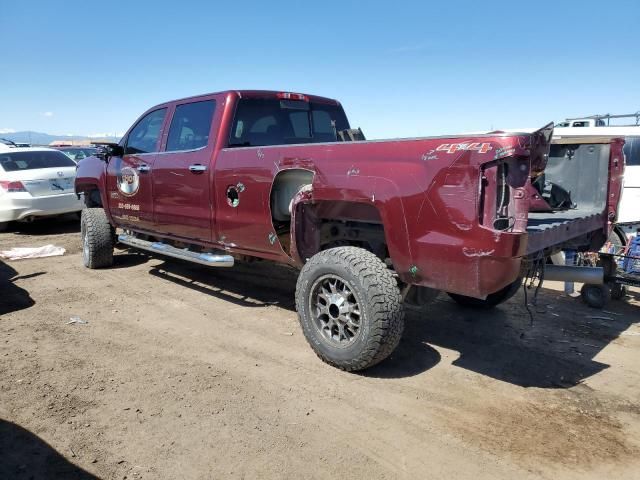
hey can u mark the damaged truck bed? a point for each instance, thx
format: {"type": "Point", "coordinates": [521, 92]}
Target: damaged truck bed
{"type": "Point", "coordinates": [281, 176]}
{"type": "Point", "coordinates": [582, 181]}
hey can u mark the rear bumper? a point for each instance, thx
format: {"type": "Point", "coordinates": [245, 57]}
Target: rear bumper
{"type": "Point", "coordinates": [18, 206]}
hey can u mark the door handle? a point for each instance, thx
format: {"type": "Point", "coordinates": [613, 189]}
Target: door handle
{"type": "Point", "coordinates": [144, 168]}
{"type": "Point", "coordinates": [197, 168]}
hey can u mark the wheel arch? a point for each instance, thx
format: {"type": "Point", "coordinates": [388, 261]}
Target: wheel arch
{"type": "Point", "coordinates": [310, 220]}
{"type": "Point", "coordinates": [94, 196]}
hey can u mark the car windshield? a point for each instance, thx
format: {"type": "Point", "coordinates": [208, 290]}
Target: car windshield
{"type": "Point", "coordinates": [18, 161]}
{"type": "Point", "coordinates": [270, 121]}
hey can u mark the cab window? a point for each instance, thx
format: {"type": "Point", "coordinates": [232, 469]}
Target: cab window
{"type": "Point", "coordinates": [144, 136]}
{"type": "Point", "coordinates": [190, 126]}
{"type": "Point", "coordinates": [271, 121]}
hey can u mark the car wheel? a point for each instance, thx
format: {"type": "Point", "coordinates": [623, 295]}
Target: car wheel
{"type": "Point", "coordinates": [97, 238]}
{"type": "Point", "coordinates": [492, 299]}
{"type": "Point", "coordinates": [350, 308]}
{"type": "Point", "coordinates": [3, 226]}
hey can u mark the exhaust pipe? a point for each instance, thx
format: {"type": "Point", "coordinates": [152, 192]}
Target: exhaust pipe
{"type": "Point", "coordinates": [561, 273]}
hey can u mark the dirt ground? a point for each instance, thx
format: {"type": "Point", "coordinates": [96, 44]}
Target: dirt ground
{"type": "Point", "coordinates": [193, 373]}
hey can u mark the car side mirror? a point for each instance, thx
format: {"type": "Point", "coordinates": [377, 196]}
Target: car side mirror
{"type": "Point", "coordinates": [108, 150]}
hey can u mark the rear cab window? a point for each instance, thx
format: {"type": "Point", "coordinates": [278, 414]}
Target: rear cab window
{"type": "Point", "coordinates": [190, 126]}
{"type": "Point", "coordinates": [18, 161]}
{"type": "Point", "coordinates": [273, 121]}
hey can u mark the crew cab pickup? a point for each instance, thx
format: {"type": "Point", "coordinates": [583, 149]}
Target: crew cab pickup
{"type": "Point", "coordinates": [281, 176]}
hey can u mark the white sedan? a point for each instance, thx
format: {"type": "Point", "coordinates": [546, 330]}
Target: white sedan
{"type": "Point", "coordinates": [35, 182]}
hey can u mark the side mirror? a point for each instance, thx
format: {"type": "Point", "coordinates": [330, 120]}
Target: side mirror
{"type": "Point", "coordinates": [116, 151]}
{"type": "Point", "coordinates": [108, 150]}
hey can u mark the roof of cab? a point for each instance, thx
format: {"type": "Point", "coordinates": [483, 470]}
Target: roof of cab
{"type": "Point", "coordinates": [249, 94]}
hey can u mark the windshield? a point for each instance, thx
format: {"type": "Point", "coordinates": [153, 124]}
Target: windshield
{"type": "Point", "coordinates": [17, 161]}
{"type": "Point", "coordinates": [270, 121]}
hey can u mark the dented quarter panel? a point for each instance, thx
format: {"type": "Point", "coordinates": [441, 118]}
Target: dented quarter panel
{"type": "Point", "coordinates": [427, 199]}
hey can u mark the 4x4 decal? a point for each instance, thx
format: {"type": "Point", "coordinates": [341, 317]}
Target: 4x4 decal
{"type": "Point", "coordinates": [456, 147]}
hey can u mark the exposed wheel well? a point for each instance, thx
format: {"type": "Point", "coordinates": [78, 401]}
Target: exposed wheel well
{"type": "Point", "coordinates": [328, 224]}
{"type": "Point", "coordinates": [92, 198]}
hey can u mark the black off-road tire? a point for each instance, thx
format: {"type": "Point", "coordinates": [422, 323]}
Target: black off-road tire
{"type": "Point", "coordinates": [3, 226]}
{"type": "Point", "coordinates": [378, 300]}
{"type": "Point", "coordinates": [492, 300]}
{"type": "Point", "coordinates": [97, 238]}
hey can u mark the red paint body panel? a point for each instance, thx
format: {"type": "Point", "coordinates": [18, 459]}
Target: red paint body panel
{"type": "Point", "coordinates": [435, 203]}
{"type": "Point", "coordinates": [616, 174]}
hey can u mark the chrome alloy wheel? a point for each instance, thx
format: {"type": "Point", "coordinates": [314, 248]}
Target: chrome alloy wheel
{"type": "Point", "coordinates": [335, 310]}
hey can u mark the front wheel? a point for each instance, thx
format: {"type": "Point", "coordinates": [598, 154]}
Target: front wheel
{"type": "Point", "coordinates": [350, 308]}
{"type": "Point", "coordinates": [492, 299]}
{"type": "Point", "coordinates": [97, 238]}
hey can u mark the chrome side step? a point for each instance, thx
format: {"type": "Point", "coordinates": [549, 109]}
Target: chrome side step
{"type": "Point", "coordinates": [210, 259]}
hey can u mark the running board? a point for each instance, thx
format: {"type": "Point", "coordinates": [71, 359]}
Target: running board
{"type": "Point", "coordinates": [210, 259]}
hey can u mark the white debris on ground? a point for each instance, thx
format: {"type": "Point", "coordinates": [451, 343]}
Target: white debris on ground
{"type": "Point", "coordinates": [77, 320]}
{"type": "Point", "coordinates": [21, 253]}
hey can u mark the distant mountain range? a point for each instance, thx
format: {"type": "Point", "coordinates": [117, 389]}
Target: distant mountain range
{"type": "Point", "coordinates": [38, 138]}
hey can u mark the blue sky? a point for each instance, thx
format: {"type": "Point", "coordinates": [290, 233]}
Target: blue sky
{"type": "Point", "coordinates": [399, 68]}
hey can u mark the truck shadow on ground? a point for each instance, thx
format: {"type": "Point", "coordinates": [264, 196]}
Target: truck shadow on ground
{"type": "Point", "coordinates": [556, 351]}
{"type": "Point", "coordinates": [128, 258]}
{"type": "Point", "coordinates": [13, 297]}
{"type": "Point", "coordinates": [256, 284]}
{"type": "Point", "coordinates": [24, 455]}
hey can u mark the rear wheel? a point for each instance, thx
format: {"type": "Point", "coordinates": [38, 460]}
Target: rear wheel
{"type": "Point", "coordinates": [492, 299]}
{"type": "Point", "coordinates": [3, 226]}
{"type": "Point", "coordinates": [97, 238]}
{"type": "Point", "coordinates": [350, 307]}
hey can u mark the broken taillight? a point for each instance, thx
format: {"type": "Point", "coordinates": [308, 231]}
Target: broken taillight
{"type": "Point", "coordinates": [503, 200]}
{"type": "Point", "coordinates": [12, 187]}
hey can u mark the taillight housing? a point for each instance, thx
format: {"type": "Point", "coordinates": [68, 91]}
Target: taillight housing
{"type": "Point", "coordinates": [12, 187]}
{"type": "Point", "coordinates": [503, 200]}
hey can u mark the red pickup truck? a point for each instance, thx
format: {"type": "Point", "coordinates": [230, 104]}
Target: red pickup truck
{"type": "Point", "coordinates": [281, 176]}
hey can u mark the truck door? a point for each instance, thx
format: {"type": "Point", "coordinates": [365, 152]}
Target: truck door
{"type": "Point", "coordinates": [129, 184]}
{"type": "Point", "coordinates": [182, 174]}
{"type": "Point", "coordinates": [243, 185]}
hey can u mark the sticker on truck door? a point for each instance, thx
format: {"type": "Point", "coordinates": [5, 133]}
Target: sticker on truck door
{"type": "Point", "coordinates": [128, 181]}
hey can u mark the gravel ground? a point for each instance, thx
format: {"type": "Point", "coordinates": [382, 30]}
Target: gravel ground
{"type": "Point", "coordinates": [193, 373]}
